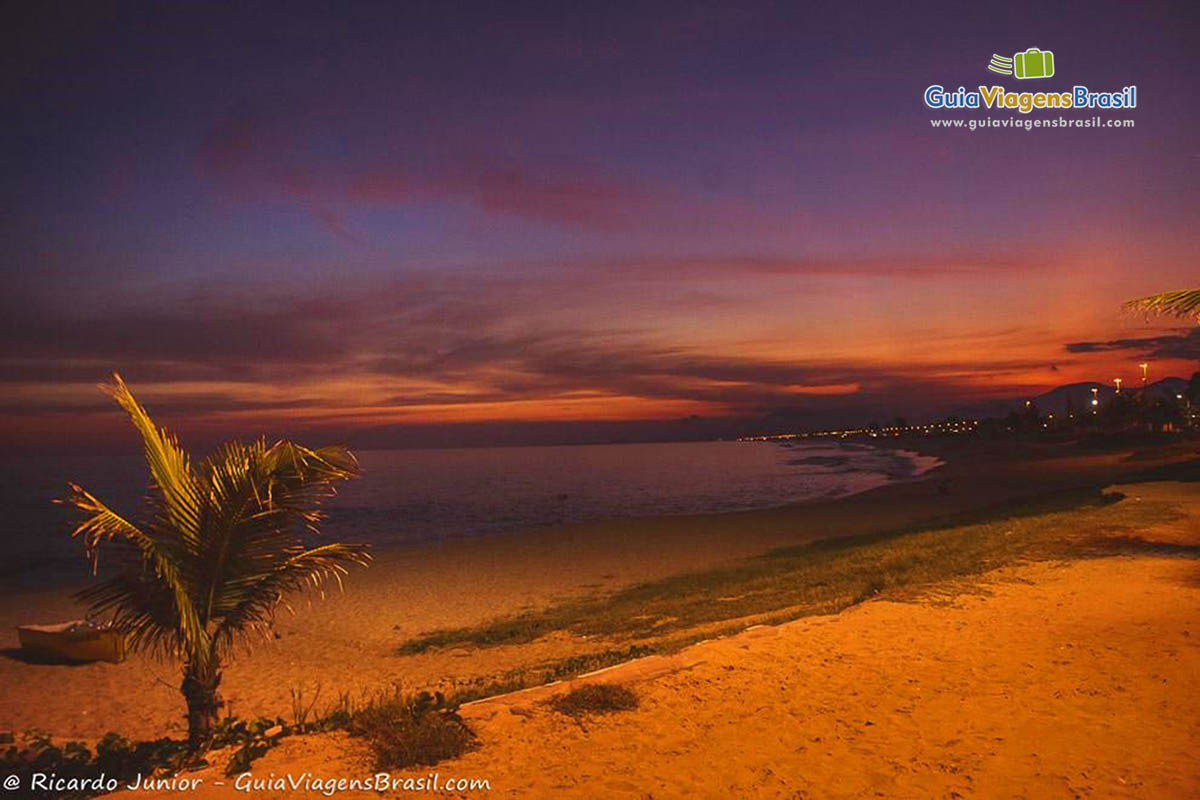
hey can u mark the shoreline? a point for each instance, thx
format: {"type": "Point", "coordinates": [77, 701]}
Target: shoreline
{"type": "Point", "coordinates": [987, 692]}
{"type": "Point", "coordinates": [348, 642]}
{"type": "Point", "coordinates": [55, 576]}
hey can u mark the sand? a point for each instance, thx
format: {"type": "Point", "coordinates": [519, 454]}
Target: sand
{"type": "Point", "coordinates": [347, 642]}
{"type": "Point", "coordinates": [1022, 683]}
{"type": "Point", "coordinates": [1068, 681]}
{"type": "Point", "coordinates": [1077, 679]}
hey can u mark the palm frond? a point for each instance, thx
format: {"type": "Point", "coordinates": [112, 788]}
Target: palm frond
{"type": "Point", "coordinates": [169, 465]}
{"type": "Point", "coordinates": [265, 501]}
{"type": "Point", "coordinates": [306, 570]}
{"type": "Point", "coordinates": [233, 499]}
{"type": "Point", "coordinates": [144, 608]}
{"type": "Point", "coordinates": [301, 479]}
{"type": "Point", "coordinates": [1183, 303]}
{"type": "Point", "coordinates": [227, 540]}
{"type": "Point", "coordinates": [159, 552]}
{"type": "Point", "coordinates": [230, 537]}
{"type": "Point", "coordinates": [101, 525]}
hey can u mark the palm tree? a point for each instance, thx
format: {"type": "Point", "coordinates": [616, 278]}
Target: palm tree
{"type": "Point", "coordinates": [1182, 303]}
{"type": "Point", "coordinates": [225, 539]}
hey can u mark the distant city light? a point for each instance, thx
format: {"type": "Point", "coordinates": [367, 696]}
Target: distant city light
{"type": "Point", "coordinates": [950, 426]}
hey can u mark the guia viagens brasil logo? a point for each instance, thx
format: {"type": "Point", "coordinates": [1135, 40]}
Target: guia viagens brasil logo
{"type": "Point", "coordinates": [1029, 64]}
{"type": "Point", "coordinates": [1033, 63]}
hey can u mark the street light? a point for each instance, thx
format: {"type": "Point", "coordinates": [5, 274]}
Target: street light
{"type": "Point", "coordinates": [1117, 381]}
{"type": "Point", "coordinates": [1144, 367]}
{"type": "Point", "coordinates": [1095, 398]}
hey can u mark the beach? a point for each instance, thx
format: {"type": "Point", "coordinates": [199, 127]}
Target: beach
{"type": "Point", "coordinates": [600, 400]}
{"type": "Point", "coordinates": [1045, 680]}
{"type": "Point", "coordinates": [348, 644]}
{"type": "Point", "coordinates": [1059, 681]}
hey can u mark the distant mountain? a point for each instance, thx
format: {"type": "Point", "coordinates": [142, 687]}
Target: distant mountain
{"type": "Point", "coordinates": [1168, 387]}
{"type": "Point", "coordinates": [1079, 395]}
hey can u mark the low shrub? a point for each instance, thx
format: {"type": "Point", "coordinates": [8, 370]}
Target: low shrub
{"type": "Point", "coordinates": [402, 729]}
{"type": "Point", "coordinates": [405, 730]}
{"type": "Point", "coordinates": [120, 760]}
{"type": "Point", "coordinates": [116, 758]}
{"type": "Point", "coordinates": [595, 698]}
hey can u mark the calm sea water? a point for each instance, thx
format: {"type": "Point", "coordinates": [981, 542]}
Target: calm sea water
{"type": "Point", "coordinates": [409, 497]}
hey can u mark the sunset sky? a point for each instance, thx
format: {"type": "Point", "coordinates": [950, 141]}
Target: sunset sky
{"type": "Point", "coordinates": [412, 223]}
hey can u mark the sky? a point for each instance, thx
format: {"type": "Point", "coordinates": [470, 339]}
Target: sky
{"type": "Point", "coordinates": [409, 224]}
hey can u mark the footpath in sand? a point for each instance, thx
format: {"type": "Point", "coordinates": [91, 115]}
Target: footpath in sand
{"type": "Point", "coordinates": [1077, 679]}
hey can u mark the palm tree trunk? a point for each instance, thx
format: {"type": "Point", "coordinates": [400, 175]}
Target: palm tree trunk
{"type": "Point", "coordinates": [204, 702]}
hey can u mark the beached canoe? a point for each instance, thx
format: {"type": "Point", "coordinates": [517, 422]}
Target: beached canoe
{"type": "Point", "coordinates": [77, 640]}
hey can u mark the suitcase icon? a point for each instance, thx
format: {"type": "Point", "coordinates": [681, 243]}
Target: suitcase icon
{"type": "Point", "coordinates": [1034, 63]}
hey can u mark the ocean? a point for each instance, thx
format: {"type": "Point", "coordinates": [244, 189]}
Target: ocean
{"type": "Point", "coordinates": [410, 497]}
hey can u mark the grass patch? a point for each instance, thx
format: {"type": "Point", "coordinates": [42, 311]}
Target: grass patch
{"type": "Point", "coordinates": [406, 730]}
{"type": "Point", "coordinates": [595, 698]}
{"type": "Point", "coordinates": [547, 672]}
{"type": "Point", "coordinates": [590, 662]}
{"type": "Point", "coordinates": [829, 575]}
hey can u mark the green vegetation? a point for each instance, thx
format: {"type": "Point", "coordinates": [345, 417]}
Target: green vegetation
{"type": "Point", "coordinates": [401, 729]}
{"type": "Point", "coordinates": [1183, 303]}
{"type": "Point", "coordinates": [595, 698]}
{"type": "Point", "coordinates": [406, 730]}
{"type": "Point", "coordinates": [115, 757]}
{"type": "Point", "coordinates": [514, 680]}
{"type": "Point", "coordinates": [830, 575]}
{"type": "Point", "coordinates": [226, 538]}
{"type": "Point", "coordinates": [120, 761]}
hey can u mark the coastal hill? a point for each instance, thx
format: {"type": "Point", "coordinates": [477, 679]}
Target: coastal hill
{"type": "Point", "coordinates": [1079, 395]}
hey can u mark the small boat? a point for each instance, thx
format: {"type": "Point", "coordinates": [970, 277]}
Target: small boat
{"type": "Point", "coordinates": [78, 640]}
